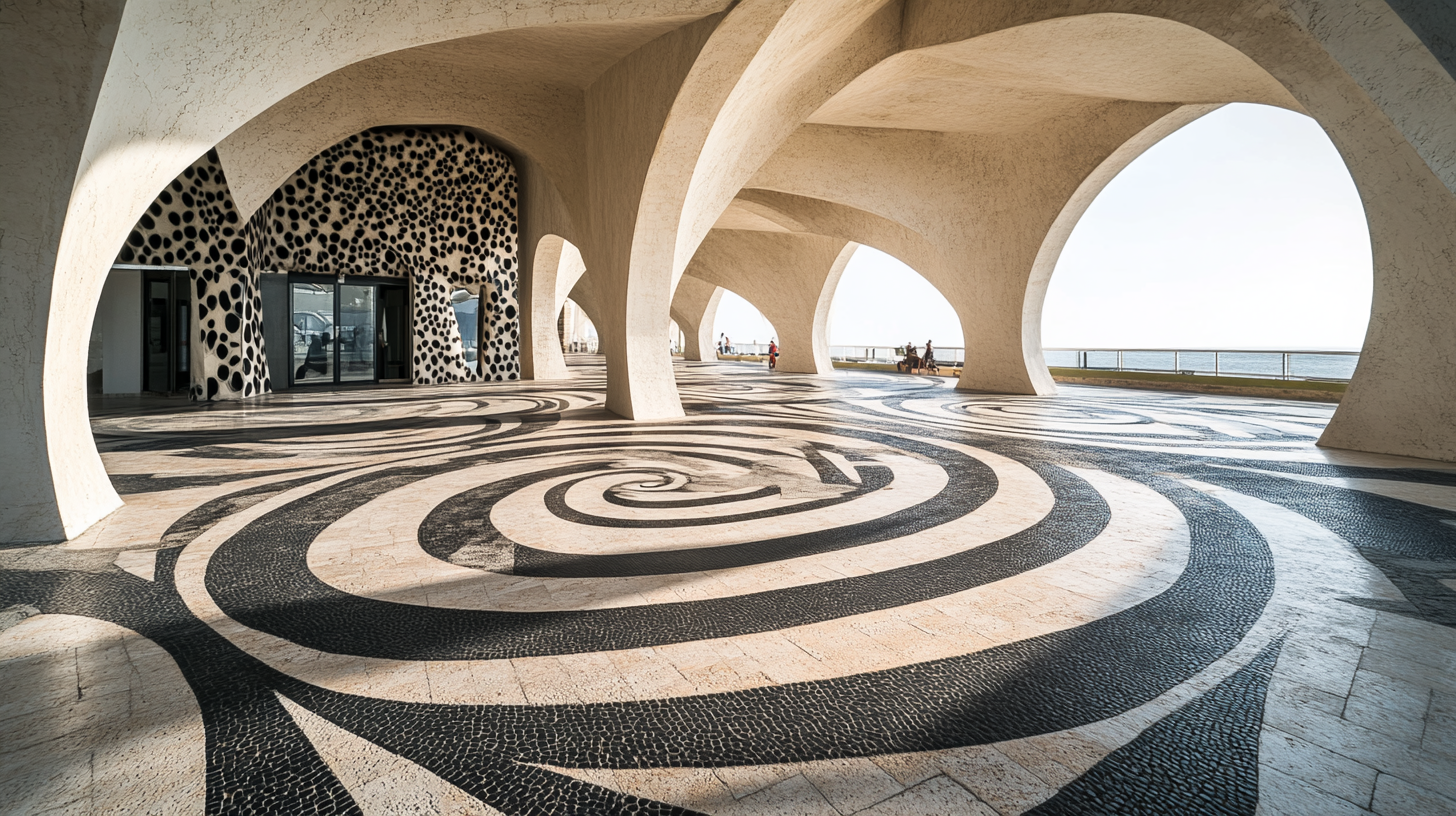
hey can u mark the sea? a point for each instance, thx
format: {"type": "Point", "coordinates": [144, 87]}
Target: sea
{"type": "Point", "coordinates": [1309, 365]}
{"type": "Point", "coordinates": [1304, 365]}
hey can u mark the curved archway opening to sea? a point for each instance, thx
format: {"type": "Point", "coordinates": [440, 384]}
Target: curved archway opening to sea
{"type": "Point", "coordinates": [882, 302]}
{"type": "Point", "coordinates": [745, 327]}
{"type": "Point", "coordinates": [1241, 231]}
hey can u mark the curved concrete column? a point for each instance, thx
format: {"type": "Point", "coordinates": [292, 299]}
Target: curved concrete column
{"type": "Point", "coordinates": [997, 189]}
{"type": "Point", "coordinates": [709, 107]}
{"type": "Point", "coordinates": [556, 268]}
{"type": "Point", "coordinates": [1385, 100]}
{"type": "Point", "coordinates": [694, 307]}
{"type": "Point", "coordinates": [547, 228]}
{"type": "Point", "coordinates": [54, 55]}
{"type": "Point", "coordinates": [951, 189]}
{"type": "Point", "coordinates": [178, 78]}
{"type": "Point", "coordinates": [789, 277]}
{"type": "Point", "coordinates": [583, 294]}
{"type": "Point", "coordinates": [1061, 228]}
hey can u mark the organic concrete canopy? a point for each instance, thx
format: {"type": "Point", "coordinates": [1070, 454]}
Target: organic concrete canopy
{"type": "Point", "coordinates": [671, 148]}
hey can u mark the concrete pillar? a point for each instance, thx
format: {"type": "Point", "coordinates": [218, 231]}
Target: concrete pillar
{"type": "Point", "coordinates": [555, 269]}
{"type": "Point", "coordinates": [583, 294]}
{"type": "Point", "coordinates": [55, 53]}
{"type": "Point", "coordinates": [694, 307]}
{"type": "Point", "coordinates": [1384, 97]}
{"type": "Point", "coordinates": [969, 212]}
{"type": "Point", "coordinates": [547, 230]}
{"type": "Point", "coordinates": [625, 110]}
{"type": "Point", "coordinates": [708, 104]}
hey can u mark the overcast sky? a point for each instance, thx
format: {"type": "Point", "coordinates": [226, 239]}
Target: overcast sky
{"type": "Point", "coordinates": [1242, 230]}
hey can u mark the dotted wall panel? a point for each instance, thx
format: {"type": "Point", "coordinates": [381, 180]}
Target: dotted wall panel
{"type": "Point", "coordinates": [194, 223]}
{"type": "Point", "coordinates": [437, 205]}
{"type": "Point", "coordinates": [439, 353]}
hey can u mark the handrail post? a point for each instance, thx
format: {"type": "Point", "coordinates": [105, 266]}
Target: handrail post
{"type": "Point", "coordinates": [1119, 359]}
{"type": "Point", "coordinates": [1215, 364]}
{"type": "Point", "coordinates": [1176, 368]}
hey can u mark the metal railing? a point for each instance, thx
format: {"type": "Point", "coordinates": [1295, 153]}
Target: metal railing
{"type": "Point", "coordinates": [1333, 366]}
{"type": "Point", "coordinates": [945, 356]}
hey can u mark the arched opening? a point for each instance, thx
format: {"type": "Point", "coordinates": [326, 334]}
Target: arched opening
{"type": "Point", "coordinates": [1241, 233]}
{"type": "Point", "coordinates": [882, 305]}
{"type": "Point", "coordinates": [556, 269]}
{"type": "Point", "coordinates": [575, 329]}
{"type": "Point", "coordinates": [746, 330]}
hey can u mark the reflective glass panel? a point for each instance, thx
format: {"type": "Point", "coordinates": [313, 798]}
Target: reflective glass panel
{"type": "Point", "coordinates": [313, 332]}
{"type": "Point", "coordinates": [356, 333]}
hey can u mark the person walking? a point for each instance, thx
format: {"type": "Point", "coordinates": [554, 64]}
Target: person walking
{"type": "Point", "coordinates": [773, 354]}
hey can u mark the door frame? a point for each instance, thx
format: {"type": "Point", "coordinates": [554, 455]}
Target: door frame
{"type": "Point", "coordinates": [408, 331]}
{"type": "Point", "coordinates": [176, 277]}
{"type": "Point", "coordinates": [337, 281]}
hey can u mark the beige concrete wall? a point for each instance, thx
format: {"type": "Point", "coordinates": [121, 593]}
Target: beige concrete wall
{"type": "Point", "coordinates": [53, 55]}
{"type": "Point", "coordinates": [963, 137]}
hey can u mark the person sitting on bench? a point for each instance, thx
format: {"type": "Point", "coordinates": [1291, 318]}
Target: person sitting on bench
{"type": "Point", "coordinates": [911, 361]}
{"type": "Point", "coordinates": [927, 361]}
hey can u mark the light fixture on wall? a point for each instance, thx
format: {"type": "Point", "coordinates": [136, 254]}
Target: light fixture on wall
{"type": "Point", "coordinates": [341, 276]}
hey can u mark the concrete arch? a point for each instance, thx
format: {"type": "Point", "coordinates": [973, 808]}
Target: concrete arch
{"type": "Point", "coordinates": [694, 306]}
{"type": "Point", "coordinates": [1061, 229]}
{"type": "Point", "coordinates": [747, 85]}
{"type": "Point", "coordinates": [774, 211]}
{"type": "Point", "coordinates": [556, 268]}
{"type": "Point", "coordinates": [152, 86]}
{"type": "Point", "coordinates": [950, 186]}
{"type": "Point", "coordinates": [789, 277]}
{"type": "Point", "coordinates": [805, 97]}
{"type": "Point", "coordinates": [862, 151]}
{"type": "Point", "coordinates": [583, 294]}
{"type": "Point", "coordinates": [1356, 70]}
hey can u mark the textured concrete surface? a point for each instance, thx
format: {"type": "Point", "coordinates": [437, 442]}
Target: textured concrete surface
{"type": "Point", "coordinates": [860, 593]}
{"type": "Point", "coordinates": [965, 139]}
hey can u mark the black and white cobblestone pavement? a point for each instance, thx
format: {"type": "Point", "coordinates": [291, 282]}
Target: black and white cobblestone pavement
{"type": "Point", "coordinates": [859, 594]}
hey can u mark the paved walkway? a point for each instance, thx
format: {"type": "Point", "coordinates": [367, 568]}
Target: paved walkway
{"type": "Point", "coordinates": [860, 594]}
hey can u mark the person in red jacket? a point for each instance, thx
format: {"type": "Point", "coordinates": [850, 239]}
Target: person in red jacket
{"type": "Point", "coordinates": [773, 353]}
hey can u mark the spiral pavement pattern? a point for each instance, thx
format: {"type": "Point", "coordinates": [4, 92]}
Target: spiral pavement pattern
{"type": "Point", "coordinates": [860, 594]}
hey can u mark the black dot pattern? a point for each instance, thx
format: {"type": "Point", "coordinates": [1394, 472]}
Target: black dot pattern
{"type": "Point", "coordinates": [439, 354]}
{"type": "Point", "coordinates": [194, 223]}
{"type": "Point", "coordinates": [438, 205]}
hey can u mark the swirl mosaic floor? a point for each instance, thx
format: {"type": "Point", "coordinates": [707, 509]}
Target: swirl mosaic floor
{"type": "Point", "coordinates": [860, 594]}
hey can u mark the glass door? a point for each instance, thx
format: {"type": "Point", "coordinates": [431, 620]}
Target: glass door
{"type": "Point", "coordinates": [158, 347]}
{"type": "Point", "coordinates": [166, 318]}
{"type": "Point", "coordinates": [356, 333]}
{"type": "Point", "coordinates": [394, 333]}
{"type": "Point", "coordinates": [348, 330]}
{"type": "Point", "coordinates": [313, 332]}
